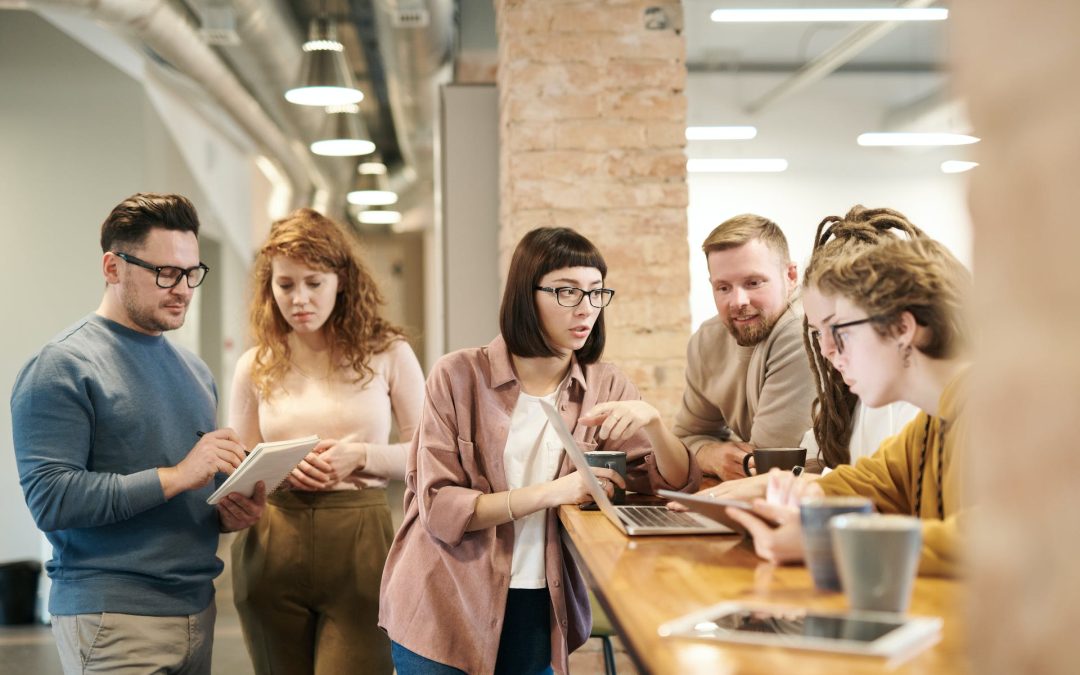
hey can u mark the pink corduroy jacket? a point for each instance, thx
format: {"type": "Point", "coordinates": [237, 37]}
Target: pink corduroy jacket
{"type": "Point", "coordinates": [444, 589]}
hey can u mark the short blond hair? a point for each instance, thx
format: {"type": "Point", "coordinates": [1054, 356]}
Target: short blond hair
{"type": "Point", "coordinates": [744, 228]}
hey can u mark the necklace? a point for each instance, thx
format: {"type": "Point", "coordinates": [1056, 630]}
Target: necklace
{"type": "Point", "coordinates": [922, 468]}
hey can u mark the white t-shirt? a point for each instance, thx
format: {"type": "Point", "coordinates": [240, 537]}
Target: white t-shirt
{"type": "Point", "coordinates": [871, 426]}
{"type": "Point", "coordinates": [531, 456]}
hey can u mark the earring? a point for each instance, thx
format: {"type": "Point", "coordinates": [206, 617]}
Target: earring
{"type": "Point", "coordinates": [907, 355]}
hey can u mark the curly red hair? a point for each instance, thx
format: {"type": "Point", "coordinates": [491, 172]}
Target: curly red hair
{"type": "Point", "coordinates": [355, 329]}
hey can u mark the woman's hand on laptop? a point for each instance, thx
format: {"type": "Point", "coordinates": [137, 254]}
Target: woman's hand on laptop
{"type": "Point", "coordinates": [572, 488]}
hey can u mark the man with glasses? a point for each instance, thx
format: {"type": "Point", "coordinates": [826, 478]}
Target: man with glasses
{"type": "Point", "coordinates": [748, 381]}
{"type": "Point", "coordinates": [117, 453]}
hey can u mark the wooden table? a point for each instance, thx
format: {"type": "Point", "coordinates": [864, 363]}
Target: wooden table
{"type": "Point", "coordinates": [644, 581]}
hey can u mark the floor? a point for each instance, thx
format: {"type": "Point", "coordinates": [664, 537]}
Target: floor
{"type": "Point", "coordinates": [29, 650]}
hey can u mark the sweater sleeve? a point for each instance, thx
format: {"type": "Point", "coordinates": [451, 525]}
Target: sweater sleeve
{"type": "Point", "coordinates": [406, 382]}
{"type": "Point", "coordinates": [884, 477]}
{"type": "Point", "coordinates": [698, 421]}
{"type": "Point", "coordinates": [244, 402]}
{"type": "Point", "coordinates": [941, 547]}
{"type": "Point", "coordinates": [52, 418]}
{"type": "Point", "coordinates": [787, 392]}
{"type": "Point", "coordinates": [887, 478]}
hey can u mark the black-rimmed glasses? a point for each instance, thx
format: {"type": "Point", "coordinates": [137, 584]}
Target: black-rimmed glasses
{"type": "Point", "coordinates": [167, 275]}
{"type": "Point", "coordinates": [568, 296]}
{"type": "Point", "coordinates": [838, 337]}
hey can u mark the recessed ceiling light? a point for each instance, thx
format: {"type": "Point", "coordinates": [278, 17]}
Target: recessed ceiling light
{"type": "Point", "coordinates": [896, 139]}
{"type": "Point", "coordinates": [840, 14]}
{"type": "Point", "coordinates": [741, 165]}
{"type": "Point", "coordinates": [957, 166]}
{"type": "Point", "coordinates": [720, 133]}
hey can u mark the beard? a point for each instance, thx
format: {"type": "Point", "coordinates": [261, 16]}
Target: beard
{"type": "Point", "coordinates": [753, 333]}
{"type": "Point", "coordinates": [143, 316]}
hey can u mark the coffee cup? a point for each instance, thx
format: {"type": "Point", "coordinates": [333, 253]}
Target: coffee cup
{"type": "Point", "coordinates": [785, 459]}
{"type": "Point", "coordinates": [614, 460]}
{"type": "Point", "coordinates": [877, 557]}
{"type": "Point", "coordinates": [815, 514]}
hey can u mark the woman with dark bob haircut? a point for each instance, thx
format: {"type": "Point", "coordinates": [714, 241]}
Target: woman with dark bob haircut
{"type": "Point", "coordinates": [477, 580]}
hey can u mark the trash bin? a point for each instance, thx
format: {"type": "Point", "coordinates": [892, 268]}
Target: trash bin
{"type": "Point", "coordinates": [18, 591]}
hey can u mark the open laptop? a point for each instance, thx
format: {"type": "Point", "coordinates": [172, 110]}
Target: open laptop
{"type": "Point", "coordinates": [633, 520]}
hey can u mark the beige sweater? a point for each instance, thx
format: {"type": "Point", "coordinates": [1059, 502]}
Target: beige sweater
{"type": "Point", "coordinates": [339, 408]}
{"type": "Point", "coordinates": [761, 394]}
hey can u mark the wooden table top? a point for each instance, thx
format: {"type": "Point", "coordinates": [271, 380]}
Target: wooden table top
{"type": "Point", "coordinates": [644, 581]}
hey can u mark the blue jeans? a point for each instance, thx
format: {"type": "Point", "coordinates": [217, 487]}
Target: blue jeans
{"type": "Point", "coordinates": [524, 645]}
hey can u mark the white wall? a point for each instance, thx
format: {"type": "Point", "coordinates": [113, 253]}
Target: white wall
{"type": "Point", "coordinates": [78, 135]}
{"type": "Point", "coordinates": [815, 131]}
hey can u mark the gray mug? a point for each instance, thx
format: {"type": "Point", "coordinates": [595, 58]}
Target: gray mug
{"type": "Point", "coordinates": [614, 460]}
{"type": "Point", "coordinates": [815, 514]}
{"type": "Point", "coordinates": [877, 557]}
{"type": "Point", "coordinates": [785, 459]}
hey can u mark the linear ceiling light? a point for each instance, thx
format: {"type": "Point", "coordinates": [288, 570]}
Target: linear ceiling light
{"type": "Point", "coordinates": [897, 139]}
{"type": "Point", "coordinates": [957, 166]}
{"type": "Point", "coordinates": [829, 15]}
{"type": "Point", "coordinates": [343, 134]}
{"type": "Point", "coordinates": [325, 78]}
{"type": "Point", "coordinates": [720, 133]}
{"type": "Point", "coordinates": [713, 165]}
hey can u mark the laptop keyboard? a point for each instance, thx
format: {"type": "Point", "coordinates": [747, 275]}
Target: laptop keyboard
{"type": "Point", "coordinates": [657, 516]}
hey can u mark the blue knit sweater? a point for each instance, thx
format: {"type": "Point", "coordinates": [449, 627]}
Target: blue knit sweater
{"type": "Point", "coordinates": [94, 415]}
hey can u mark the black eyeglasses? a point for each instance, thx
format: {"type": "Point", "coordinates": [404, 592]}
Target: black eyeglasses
{"type": "Point", "coordinates": [838, 337]}
{"type": "Point", "coordinates": [167, 275]}
{"type": "Point", "coordinates": [568, 296]}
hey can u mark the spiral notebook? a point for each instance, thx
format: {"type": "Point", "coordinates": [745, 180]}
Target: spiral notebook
{"type": "Point", "coordinates": [270, 463]}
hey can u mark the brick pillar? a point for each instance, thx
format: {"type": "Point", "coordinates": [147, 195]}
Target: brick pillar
{"type": "Point", "coordinates": [592, 117]}
{"type": "Point", "coordinates": [1016, 64]}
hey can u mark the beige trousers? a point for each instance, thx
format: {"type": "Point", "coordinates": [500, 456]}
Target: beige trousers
{"type": "Point", "coordinates": [306, 583]}
{"type": "Point", "coordinates": [129, 644]}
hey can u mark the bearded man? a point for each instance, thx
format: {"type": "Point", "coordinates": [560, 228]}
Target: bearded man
{"type": "Point", "coordinates": [748, 380]}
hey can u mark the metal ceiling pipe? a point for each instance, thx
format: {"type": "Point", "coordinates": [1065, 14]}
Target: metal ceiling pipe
{"type": "Point", "coordinates": [168, 32]}
{"type": "Point", "coordinates": [417, 59]}
{"type": "Point", "coordinates": [836, 56]}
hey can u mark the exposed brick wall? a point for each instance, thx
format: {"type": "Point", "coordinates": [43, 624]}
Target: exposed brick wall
{"type": "Point", "coordinates": [592, 128]}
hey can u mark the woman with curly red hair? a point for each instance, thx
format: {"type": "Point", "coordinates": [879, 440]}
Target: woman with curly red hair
{"type": "Point", "coordinates": [324, 362]}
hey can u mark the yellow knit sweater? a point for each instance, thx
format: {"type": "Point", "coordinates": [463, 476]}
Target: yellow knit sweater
{"type": "Point", "coordinates": [890, 478]}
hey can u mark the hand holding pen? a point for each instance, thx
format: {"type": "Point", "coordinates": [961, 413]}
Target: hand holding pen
{"type": "Point", "coordinates": [216, 451]}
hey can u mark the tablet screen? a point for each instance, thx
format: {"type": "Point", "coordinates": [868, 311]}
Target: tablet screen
{"type": "Point", "coordinates": [871, 633]}
{"type": "Point", "coordinates": [803, 625]}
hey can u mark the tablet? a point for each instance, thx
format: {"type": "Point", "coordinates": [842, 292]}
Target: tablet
{"type": "Point", "coordinates": [714, 508]}
{"type": "Point", "coordinates": [893, 636]}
